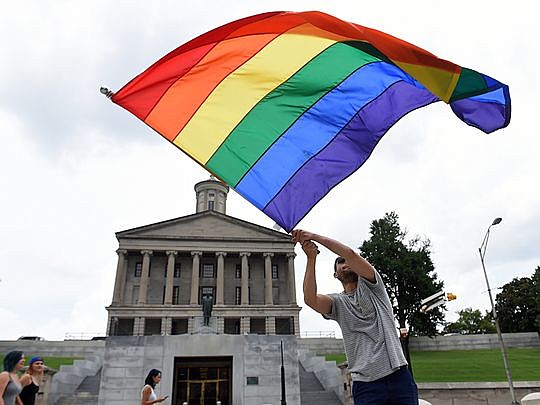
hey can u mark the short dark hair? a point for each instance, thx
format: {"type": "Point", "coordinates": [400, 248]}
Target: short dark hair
{"type": "Point", "coordinates": [11, 360]}
{"type": "Point", "coordinates": [338, 260]}
{"type": "Point", "coordinates": [150, 378]}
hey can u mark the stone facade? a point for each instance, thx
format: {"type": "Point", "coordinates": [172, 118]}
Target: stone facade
{"type": "Point", "coordinates": [165, 268]}
{"type": "Point", "coordinates": [254, 374]}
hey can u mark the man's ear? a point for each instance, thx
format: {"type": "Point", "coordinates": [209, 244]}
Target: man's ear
{"type": "Point", "coordinates": [335, 274]}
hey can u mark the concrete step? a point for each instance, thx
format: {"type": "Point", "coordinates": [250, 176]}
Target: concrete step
{"type": "Point", "coordinates": [90, 384]}
{"type": "Point", "coordinates": [66, 384]}
{"type": "Point", "coordinates": [319, 398]}
{"type": "Point", "coordinates": [312, 392]}
{"type": "Point", "coordinates": [308, 381]}
{"type": "Point", "coordinates": [326, 372]}
{"type": "Point", "coordinates": [83, 398]}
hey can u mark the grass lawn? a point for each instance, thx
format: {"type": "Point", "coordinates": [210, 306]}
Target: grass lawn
{"type": "Point", "coordinates": [470, 365]}
{"type": "Point", "coordinates": [51, 362]}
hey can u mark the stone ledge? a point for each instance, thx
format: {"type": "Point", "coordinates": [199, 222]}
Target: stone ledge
{"type": "Point", "coordinates": [476, 385]}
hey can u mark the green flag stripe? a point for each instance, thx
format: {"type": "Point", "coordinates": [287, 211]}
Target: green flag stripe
{"type": "Point", "coordinates": [280, 108]}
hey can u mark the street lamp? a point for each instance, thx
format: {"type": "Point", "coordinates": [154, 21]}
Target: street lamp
{"type": "Point", "coordinates": [482, 251]}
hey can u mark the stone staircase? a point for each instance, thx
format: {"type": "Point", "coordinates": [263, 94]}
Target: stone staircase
{"type": "Point", "coordinates": [86, 394]}
{"type": "Point", "coordinates": [312, 392]}
{"type": "Point", "coordinates": [321, 381]}
{"type": "Point", "coordinates": [77, 384]}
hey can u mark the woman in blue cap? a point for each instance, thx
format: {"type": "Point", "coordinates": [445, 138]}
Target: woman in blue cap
{"type": "Point", "coordinates": [31, 380]}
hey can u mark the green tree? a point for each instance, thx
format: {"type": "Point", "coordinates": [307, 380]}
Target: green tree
{"type": "Point", "coordinates": [516, 306]}
{"type": "Point", "coordinates": [471, 322]}
{"type": "Point", "coordinates": [407, 271]}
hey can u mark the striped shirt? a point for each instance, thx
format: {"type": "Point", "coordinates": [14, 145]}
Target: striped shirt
{"type": "Point", "coordinates": [369, 333]}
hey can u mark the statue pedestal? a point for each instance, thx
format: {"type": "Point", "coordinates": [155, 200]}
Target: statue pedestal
{"type": "Point", "coordinates": [199, 328]}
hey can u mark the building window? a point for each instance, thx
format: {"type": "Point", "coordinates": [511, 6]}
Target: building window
{"type": "Point", "coordinates": [208, 270]}
{"type": "Point", "coordinates": [285, 326]}
{"type": "Point", "coordinates": [138, 269]}
{"type": "Point", "coordinates": [122, 327]}
{"type": "Point", "coordinates": [257, 325]}
{"type": "Point", "coordinates": [210, 205]}
{"type": "Point", "coordinates": [179, 326]}
{"type": "Point", "coordinates": [238, 271]}
{"type": "Point", "coordinates": [177, 270]}
{"type": "Point", "coordinates": [275, 273]}
{"type": "Point", "coordinates": [231, 326]}
{"type": "Point", "coordinates": [238, 296]}
{"type": "Point", "coordinates": [206, 291]}
{"type": "Point", "coordinates": [152, 326]}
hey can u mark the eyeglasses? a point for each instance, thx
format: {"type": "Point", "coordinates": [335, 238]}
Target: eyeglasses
{"type": "Point", "coordinates": [39, 363]}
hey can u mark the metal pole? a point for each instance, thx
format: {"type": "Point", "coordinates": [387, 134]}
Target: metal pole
{"type": "Point", "coordinates": [283, 400]}
{"type": "Point", "coordinates": [499, 334]}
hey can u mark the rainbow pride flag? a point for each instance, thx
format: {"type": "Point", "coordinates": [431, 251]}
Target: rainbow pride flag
{"type": "Point", "coordinates": [283, 106]}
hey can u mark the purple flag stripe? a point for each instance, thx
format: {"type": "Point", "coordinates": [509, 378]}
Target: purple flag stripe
{"type": "Point", "coordinates": [345, 153]}
{"type": "Point", "coordinates": [487, 117]}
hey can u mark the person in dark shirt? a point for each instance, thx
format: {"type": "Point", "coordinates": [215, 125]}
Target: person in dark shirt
{"type": "Point", "coordinates": [31, 380]}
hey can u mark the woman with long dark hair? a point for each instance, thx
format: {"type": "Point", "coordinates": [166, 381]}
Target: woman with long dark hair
{"type": "Point", "coordinates": [31, 380]}
{"type": "Point", "coordinates": [10, 386]}
{"type": "Point", "coordinates": [148, 396]}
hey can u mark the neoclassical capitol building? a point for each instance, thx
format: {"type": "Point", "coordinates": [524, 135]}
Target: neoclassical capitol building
{"type": "Point", "coordinates": [164, 270]}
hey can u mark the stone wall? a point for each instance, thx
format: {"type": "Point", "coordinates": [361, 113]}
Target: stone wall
{"type": "Point", "coordinates": [128, 359]}
{"type": "Point", "coordinates": [424, 343]}
{"type": "Point", "coordinates": [471, 342]}
{"type": "Point", "coordinates": [488, 393]}
{"type": "Point", "coordinates": [62, 348]}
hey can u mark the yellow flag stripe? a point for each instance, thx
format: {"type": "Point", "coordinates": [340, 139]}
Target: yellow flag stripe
{"type": "Point", "coordinates": [245, 87]}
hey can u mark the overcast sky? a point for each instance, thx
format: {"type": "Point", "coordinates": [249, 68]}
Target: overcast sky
{"type": "Point", "coordinates": [76, 168]}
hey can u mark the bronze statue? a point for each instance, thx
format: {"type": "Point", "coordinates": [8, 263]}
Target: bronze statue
{"type": "Point", "coordinates": [207, 303]}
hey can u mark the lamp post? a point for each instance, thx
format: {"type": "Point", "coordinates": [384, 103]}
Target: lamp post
{"type": "Point", "coordinates": [283, 399]}
{"type": "Point", "coordinates": [482, 251]}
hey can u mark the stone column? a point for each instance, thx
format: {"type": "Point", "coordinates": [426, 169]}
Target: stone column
{"type": "Point", "coordinates": [292, 281]}
{"type": "Point", "coordinates": [244, 325]}
{"type": "Point", "coordinates": [220, 279]}
{"type": "Point", "coordinates": [138, 326]}
{"type": "Point", "coordinates": [120, 280]}
{"type": "Point", "coordinates": [113, 326]}
{"type": "Point", "coordinates": [171, 254]}
{"type": "Point", "coordinates": [270, 325]}
{"type": "Point", "coordinates": [220, 325]}
{"type": "Point", "coordinates": [166, 325]}
{"type": "Point", "coordinates": [143, 289]}
{"type": "Point", "coordinates": [268, 278]}
{"type": "Point", "coordinates": [296, 321]}
{"type": "Point", "coordinates": [245, 278]}
{"type": "Point", "coordinates": [195, 278]}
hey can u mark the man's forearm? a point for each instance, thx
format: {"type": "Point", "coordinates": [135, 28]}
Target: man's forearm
{"type": "Point", "coordinates": [335, 246]}
{"type": "Point", "coordinates": [358, 264]}
{"type": "Point", "coordinates": [310, 282]}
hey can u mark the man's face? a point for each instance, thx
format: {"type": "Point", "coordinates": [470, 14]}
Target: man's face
{"type": "Point", "coordinates": [344, 273]}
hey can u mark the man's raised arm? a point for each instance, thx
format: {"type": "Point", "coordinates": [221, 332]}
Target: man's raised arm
{"type": "Point", "coordinates": [357, 263]}
{"type": "Point", "coordinates": [320, 303]}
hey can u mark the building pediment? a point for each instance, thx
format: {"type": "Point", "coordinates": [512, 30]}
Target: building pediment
{"type": "Point", "coordinates": [207, 225]}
